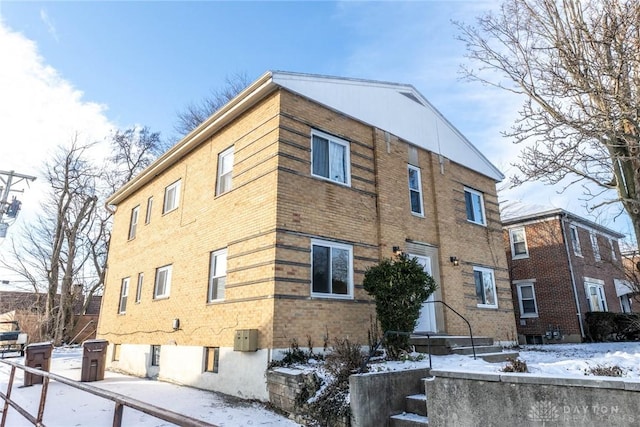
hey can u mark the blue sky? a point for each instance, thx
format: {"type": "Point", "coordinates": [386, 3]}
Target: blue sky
{"type": "Point", "coordinates": [90, 67]}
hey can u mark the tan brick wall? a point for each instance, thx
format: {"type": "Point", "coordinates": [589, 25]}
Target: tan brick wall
{"type": "Point", "coordinates": [267, 222]}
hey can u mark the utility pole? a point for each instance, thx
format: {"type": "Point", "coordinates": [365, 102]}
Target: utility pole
{"type": "Point", "coordinates": [10, 209]}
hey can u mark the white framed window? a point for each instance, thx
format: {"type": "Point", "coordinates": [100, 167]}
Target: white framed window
{"type": "Point", "coordinates": [162, 285]}
{"type": "Point", "coordinates": [625, 303]}
{"type": "Point", "coordinates": [217, 275]}
{"type": "Point", "coordinates": [139, 287]}
{"type": "Point", "coordinates": [171, 197]}
{"type": "Point", "coordinates": [485, 282]}
{"type": "Point", "coordinates": [614, 257]}
{"type": "Point", "coordinates": [415, 190]}
{"type": "Point", "coordinates": [147, 217]}
{"type": "Point", "coordinates": [124, 294]}
{"type": "Point", "coordinates": [225, 171]}
{"type": "Point", "coordinates": [594, 245]}
{"type": "Point", "coordinates": [527, 299]}
{"type": "Point", "coordinates": [133, 223]}
{"type": "Point", "coordinates": [518, 238]}
{"type": "Point", "coordinates": [575, 240]}
{"type": "Point", "coordinates": [594, 288]}
{"type": "Point", "coordinates": [331, 269]}
{"type": "Point", "coordinates": [474, 202]}
{"type": "Point", "coordinates": [330, 158]}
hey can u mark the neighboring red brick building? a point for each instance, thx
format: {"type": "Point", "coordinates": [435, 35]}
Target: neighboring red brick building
{"type": "Point", "coordinates": [561, 266]}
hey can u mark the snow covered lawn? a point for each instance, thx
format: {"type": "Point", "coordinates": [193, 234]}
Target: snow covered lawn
{"type": "Point", "coordinates": [67, 406]}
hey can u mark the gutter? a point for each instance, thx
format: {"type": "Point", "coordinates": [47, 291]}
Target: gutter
{"type": "Point", "coordinates": [564, 216]}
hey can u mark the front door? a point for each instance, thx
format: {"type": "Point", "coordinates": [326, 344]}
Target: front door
{"type": "Point", "coordinates": [427, 319]}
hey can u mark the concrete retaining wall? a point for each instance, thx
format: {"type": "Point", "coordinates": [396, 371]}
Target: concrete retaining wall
{"type": "Point", "coordinates": [474, 399]}
{"type": "Point", "coordinates": [376, 396]}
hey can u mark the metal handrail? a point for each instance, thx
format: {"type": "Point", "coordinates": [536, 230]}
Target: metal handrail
{"type": "Point", "coordinates": [120, 401]}
{"type": "Point", "coordinates": [428, 335]}
{"type": "Point", "coordinates": [473, 347]}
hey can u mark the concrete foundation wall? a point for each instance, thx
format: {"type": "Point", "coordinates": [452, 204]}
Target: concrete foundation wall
{"type": "Point", "coordinates": [474, 399]}
{"type": "Point", "coordinates": [376, 396]}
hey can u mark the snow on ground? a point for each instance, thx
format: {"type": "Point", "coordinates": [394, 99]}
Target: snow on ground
{"type": "Point", "coordinates": [559, 360]}
{"type": "Point", "coordinates": [67, 406]}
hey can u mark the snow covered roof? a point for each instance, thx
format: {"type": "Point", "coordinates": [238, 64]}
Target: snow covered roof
{"type": "Point", "coordinates": [519, 213]}
{"type": "Point", "coordinates": [396, 108]}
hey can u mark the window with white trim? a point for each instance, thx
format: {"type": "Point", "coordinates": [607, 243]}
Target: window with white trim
{"type": "Point", "coordinates": [575, 240]}
{"type": "Point", "coordinates": [225, 171]}
{"type": "Point", "coordinates": [133, 223]}
{"type": "Point", "coordinates": [527, 299]}
{"type": "Point", "coordinates": [217, 275]}
{"type": "Point", "coordinates": [330, 158]}
{"type": "Point", "coordinates": [594, 245]}
{"type": "Point", "coordinates": [596, 298]}
{"type": "Point", "coordinates": [139, 287]}
{"type": "Point", "coordinates": [162, 285]}
{"type": "Point", "coordinates": [474, 202]}
{"type": "Point", "coordinates": [625, 303]}
{"type": "Point", "coordinates": [211, 359]}
{"type": "Point", "coordinates": [171, 197]}
{"type": "Point", "coordinates": [415, 190]}
{"type": "Point", "coordinates": [155, 355]}
{"type": "Point", "coordinates": [518, 238]}
{"type": "Point", "coordinates": [147, 217]}
{"type": "Point", "coordinates": [613, 250]}
{"type": "Point", "coordinates": [485, 282]}
{"type": "Point", "coordinates": [124, 294]}
{"type": "Point", "coordinates": [332, 269]}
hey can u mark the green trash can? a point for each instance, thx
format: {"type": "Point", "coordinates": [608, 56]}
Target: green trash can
{"type": "Point", "coordinates": [38, 355]}
{"type": "Point", "coordinates": [94, 359]}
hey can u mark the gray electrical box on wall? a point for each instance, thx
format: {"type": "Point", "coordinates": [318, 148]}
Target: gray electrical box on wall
{"type": "Point", "coordinates": [246, 340]}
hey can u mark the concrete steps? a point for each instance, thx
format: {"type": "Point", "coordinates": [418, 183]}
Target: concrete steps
{"type": "Point", "coordinates": [449, 344]}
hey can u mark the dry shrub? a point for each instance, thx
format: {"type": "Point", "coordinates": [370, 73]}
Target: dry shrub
{"type": "Point", "coordinates": [516, 365]}
{"type": "Point", "coordinates": [605, 371]}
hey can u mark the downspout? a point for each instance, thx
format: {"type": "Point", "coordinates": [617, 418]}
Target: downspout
{"type": "Point", "coordinates": [573, 279]}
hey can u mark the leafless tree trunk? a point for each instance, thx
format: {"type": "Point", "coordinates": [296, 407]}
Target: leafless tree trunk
{"type": "Point", "coordinates": [577, 63]}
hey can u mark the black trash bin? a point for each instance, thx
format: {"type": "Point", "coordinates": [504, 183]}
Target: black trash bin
{"type": "Point", "coordinates": [38, 355]}
{"type": "Point", "coordinates": [94, 358]}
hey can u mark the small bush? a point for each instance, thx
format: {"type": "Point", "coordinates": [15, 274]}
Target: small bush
{"type": "Point", "coordinates": [516, 365]}
{"type": "Point", "coordinates": [605, 371]}
{"type": "Point", "coordinates": [600, 325]}
{"type": "Point", "coordinates": [345, 359]}
{"type": "Point", "coordinates": [295, 356]}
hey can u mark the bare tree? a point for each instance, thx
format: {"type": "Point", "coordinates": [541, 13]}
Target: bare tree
{"type": "Point", "coordinates": [577, 63]}
{"type": "Point", "coordinates": [196, 113]}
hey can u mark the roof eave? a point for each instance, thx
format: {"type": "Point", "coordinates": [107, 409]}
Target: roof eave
{"type": "Point", "coordinates": [240, 103]}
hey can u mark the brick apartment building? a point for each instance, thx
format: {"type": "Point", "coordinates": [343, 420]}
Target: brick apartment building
{"type": "Point", "coordinates": [561, 266]}
{"type": "Point", "coordinates": [256, 230]}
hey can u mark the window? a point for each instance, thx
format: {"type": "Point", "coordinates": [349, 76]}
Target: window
{"type": "Point", "coordinates": [217, 275]}
{"type": "Point", "coordinates": [124, 292]}
{"type": "Point", "coordinates": [485, 287]}
{"type": "Point", "coordinates": [330, 158]}
{"type": "Point", "coordinates": [575, 240]}
{"type": "Point", "coordinates": [527, 300]}
{"type": "Point", "coordinates": [518, 239]}
{"type": "Point", "coordinates": [139, 287]}
{"type": "Point", "coordinates": [474, 202]}
{"type": "Point", "coordinates": [116, 352]}
{"type": "Point", "coordinates": [211, 358]}
{"type": "Point", "coordinates": [415, 190]}
{"type": "Point", "coordinates": [163, 282]}
{"type": "Point", "coordinates": [613, 250]}
{"type": "Point", "coordinates": [625, 303]}
{"type": "Point", "coordinates": [133, 224]}
{"type": "Point", "coordinates": [171, 197]}
{"type": "Point", "coordinates": [594, 246]}
{"type": "Point", "coordinates": [155, 355]}
{"type": "Point", "coordinates": [147, 217]}
{"type": "Point", "coordinates": [595, 295]}
{"type": "Point", "coordinates": [225, 170]}
{"type": "Point", "coordinates": [332, 267]}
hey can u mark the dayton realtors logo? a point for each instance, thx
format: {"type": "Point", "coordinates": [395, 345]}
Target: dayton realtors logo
{"type": "Point", "coordinates": [543, 411]}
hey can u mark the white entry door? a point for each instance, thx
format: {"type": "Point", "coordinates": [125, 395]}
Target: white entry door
{"type": "Point", "coordinates": [427, 319]}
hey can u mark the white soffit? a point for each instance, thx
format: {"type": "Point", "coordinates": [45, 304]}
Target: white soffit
{"type": "Point", "coordinates": [396, 108]}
